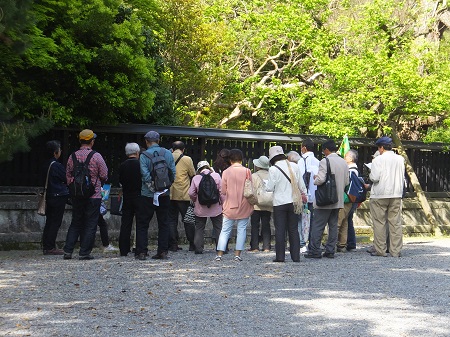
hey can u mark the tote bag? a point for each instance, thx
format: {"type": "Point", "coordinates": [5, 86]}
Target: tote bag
{"type": "Point", "coordinates": [249, 194]}
{"type": "Point", "coordinates": [326, 194]}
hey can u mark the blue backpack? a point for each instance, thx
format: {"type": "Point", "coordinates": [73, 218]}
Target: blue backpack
{"type": "Point", "coordinates": [356, 191]}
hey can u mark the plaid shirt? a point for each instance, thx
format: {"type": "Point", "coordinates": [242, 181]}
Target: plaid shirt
{"type": "Point", "coordinates": [97, 167]}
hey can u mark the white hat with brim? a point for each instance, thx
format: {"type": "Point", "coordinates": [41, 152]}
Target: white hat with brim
{"type": "Point", "coordinates": [261, 162]}
{"type": "Point", "coordinates": [275, 151]}
{"type": "Point", "coordinates": [203, 164]}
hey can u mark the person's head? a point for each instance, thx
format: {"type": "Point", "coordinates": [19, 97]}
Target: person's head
{"type": "Point", "coordinates": [203, 165]}
{"type": "Point", "coordinates": [178, 145]}
{"type": "Point", "coordinates": [307, 146]}
{"type": "Point", "coordinates": [293, 156]}
{"type": "Point", "coordinates": [276, 153]}
{"type": "Point", "coordinates": [132, 150]}
{"type": "Point", "coordinates": [53, 148]}
{"type": "Point", "coordinates": [262, 163]}
{"type": "Point", "coordinates": [222, 160]}
{"type": "Point", "coordinates": [329, 147]}
{"type": "Point", "coordinates": [87, 137]}
{"type": "Point", "coordinates": [384, 144]}
{"type": "Point", "coordinates": [351, 156]}
{"type": "Point", "coordinates": [151, 137]}
{"type": "Point", "coordinates": [236, 156]}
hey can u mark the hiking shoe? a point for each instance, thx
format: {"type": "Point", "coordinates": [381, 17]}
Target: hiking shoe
{"type": "Point", "coordinates": [328, 255]}
{"type": "Point", "coordinates": [160, 256]}
{"type": "Point", "coordinates": [341, 249]}
{"type": "Point", "coordinates": [218, 258]}
{"type": "Point", "coordinates": [141, 257]}
{"type": "Point", "coordinates": [67, 256]}
{"type": "Point", "coordinates": [85, 257]}
{"type": "Point", "coordinates": [304, 250]}
{"type": "Point", "coordinates": [110, 248]}
{"type": "Point", "coordinates": [237, 258]}
{"type": "Point", "coordinates": [53, 251]}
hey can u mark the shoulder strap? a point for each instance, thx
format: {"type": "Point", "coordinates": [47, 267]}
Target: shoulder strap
{"type": "Point", "coordinates": [289, 179]}
{"type": "Point", "coordinates": [328, 167]}
{"type": "Point", "coordinates": [147, 155]}
{"type": "Point", "coordinates": [48, 172]}
{"type": "Point", "coordinates": [88, 158]}
{"type": "Point", "coordinates": [179, 158]}
{"type": "Point", "coordinates": [304, 159]}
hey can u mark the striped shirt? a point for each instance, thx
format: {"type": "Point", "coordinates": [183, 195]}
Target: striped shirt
{"type": "Point", "coordinates": [97, 168]}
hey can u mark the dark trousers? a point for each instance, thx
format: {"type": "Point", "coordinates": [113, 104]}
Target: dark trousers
{"type": "Point", "coordinates": [85, 213]}
{"type": "Point", "coordinates": [284, 216]}
{"type": "Point", "coordinates": [143, 218]}
{"type": "Point", "coordinates": [179, 207]}
{"type": "Point", "coordinates": [54, 214]}
{"type": "Point", "coordinates": [263, 218]}
{"type": "Point", "coordinates": [351, 235]}
{"type": "Point", "coordinates": [130, 209]}
{"type": "Point", "coordinates": [311, 217]}
{"type": "Point", "coordinates": [322, 217]}
{"type": "Point", "coordinates": [103, 231]}
{"type": "Point", "coordinates": [200, 223]}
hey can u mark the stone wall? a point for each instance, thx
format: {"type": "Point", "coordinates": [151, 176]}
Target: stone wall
{"type": "Point", "coordinates": [21, 227]}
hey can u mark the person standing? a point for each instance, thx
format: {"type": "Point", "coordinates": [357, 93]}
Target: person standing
{"type": "Point", "coordinates": [57, 194]}
{"type": "Point", "coordinates": [328, 215]}
{"type": "Point", "coordinates": [312, 167]}
{"type": "Point", "coordinates": [179, 197]}
{"type": "Point", "coordinates": [283, 174]}
{"type": "Point", "coordinates": [387, 175]}
{"type": "Point", "coordinates": [346, 231]}
{"type": "Point", "coordinates": [236, 208]}
{"type": "Point", "coordinates": [262, 213]}
{"type": "Point", "coordinates": [203, 212]}
{"type": "Point", "coordinates": [130, 180]}
{"type": "Point", "coordinates": [153, 201]}
{"type": "Point", "coordinates": [85, 211]}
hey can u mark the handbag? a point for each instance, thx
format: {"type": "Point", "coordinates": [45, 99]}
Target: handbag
{"type": "Point", "coordinates": [326, 194]}
{"type": "Point", "coordinates": [42, 198]}
{"type": "Point", "coordinates": [189, 217]}
{"type": "Point", "coordinates": [265, 199]}
{"type": "Point", "coordinates": [116, 205]}
{"type": "Point", "coordinates": [249, 193]}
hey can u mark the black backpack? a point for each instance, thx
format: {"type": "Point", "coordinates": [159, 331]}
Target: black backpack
{"type": "Point", "coordinates": [81, 187]}
{"type": "Point", "coordinates": [306, 176]}
{"type": "Point", "coordinates": [160, 170]}
{"type": "Point", "coordinates": [208, 193]}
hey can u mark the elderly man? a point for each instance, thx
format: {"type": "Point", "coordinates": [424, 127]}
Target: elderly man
{"type": "Point", "coordinates": [328, 214]}
{"type": "Point", "coordinates": [387, 174]}
{"type": "Point", "coordinates": [179, 197]}
{"type": "Point", "coordinates": [153, 201]}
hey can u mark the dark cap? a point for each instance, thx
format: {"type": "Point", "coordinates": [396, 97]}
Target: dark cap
{"type": "Point", "coordinates": [383, 141]}
{"type": "Point", "coordinates": [152, 136]}
{"type": "Point", "coordinates": [330, 145]}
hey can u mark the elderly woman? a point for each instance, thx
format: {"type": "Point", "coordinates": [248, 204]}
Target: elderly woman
{"type": "Point", "coordinates": [263, 209]}
{"type": "Point", "coordinates": [236, 208]}
{"type": "Point", "coordinates": [203, 212]}
{"type": "Point", "coordinates": [283, 174]}
{"type": "Point", "coordinates": [57, 194]}
{"type": "Point", "coordinates": [130, 180]}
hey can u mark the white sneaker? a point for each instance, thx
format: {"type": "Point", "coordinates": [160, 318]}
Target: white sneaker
{"type": "Point", "coordinates": [304, 249]}
{"type": "Point", "coordinates": [110, 248]}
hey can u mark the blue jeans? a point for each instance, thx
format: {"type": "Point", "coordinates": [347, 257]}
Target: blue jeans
{"type": "Point", "coordinates": [85, 213]}
{"type": "Point", "coordinates": [227, 226]}
{"type": "Point", "coordinates": [351, 235]}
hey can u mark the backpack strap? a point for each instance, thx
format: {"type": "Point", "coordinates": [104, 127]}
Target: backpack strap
{"type": "Point", "coordinates": [89, 156]}
{"type": "Point", "coordinates": [289, 179]}
{"type": "Point", "coordinates": [179, 158]}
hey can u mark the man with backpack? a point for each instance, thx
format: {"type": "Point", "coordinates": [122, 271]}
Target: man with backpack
{"type": "Point", "coordinates": [85, 173]}
{"type": "Point", "coordinates": [158, 174]}
{"type": "Point", "coordinates": [179, 198]}
{"type": "Point", "coordinates": [355, 194]}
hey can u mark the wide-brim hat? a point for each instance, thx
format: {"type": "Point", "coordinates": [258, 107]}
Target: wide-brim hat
{"type": "Point", "coordinates": [261, 162]}
{"type": "Point", "coordinates": [275, 151]}
{"type": "Point", "coordinates": [203, 164]}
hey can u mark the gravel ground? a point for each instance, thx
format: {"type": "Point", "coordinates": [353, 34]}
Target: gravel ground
{"type": "Point", "coordinates": [193, 295]}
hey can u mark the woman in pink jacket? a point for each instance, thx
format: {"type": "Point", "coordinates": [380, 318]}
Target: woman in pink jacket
{"type": "Point", "coordinates": [236, 208]}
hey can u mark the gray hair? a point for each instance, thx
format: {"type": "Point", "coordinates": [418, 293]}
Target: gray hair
{"type": "Point", "coordinates": [352, 155]}
{"type": "Point", "coordinates": [293, 156]}
{"type": "Point", "coordinates": [132, 148]}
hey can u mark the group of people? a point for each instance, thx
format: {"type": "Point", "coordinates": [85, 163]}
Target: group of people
{"type": "Point", "coordinates": [280, 184]}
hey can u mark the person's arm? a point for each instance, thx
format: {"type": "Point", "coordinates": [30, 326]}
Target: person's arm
{"type": "Point", "coordinates": [375, 171]}
{"type": "Point", "coordinates": [193, 190]}
{"type": "Point", "coordinates": [145, 169]}
{"type": "Point", "coordinates": [191, 169]}
{"type": "Point", "coordinates": [171, 164]}
{"type": "Point", "coordinates": [59, 172]}
{"type": "Point", "coordinates": [321, 176]}
{"type": "Point", "coordinates": [102, 168]}
{"type": "Point", "coordinates": [270, 187]}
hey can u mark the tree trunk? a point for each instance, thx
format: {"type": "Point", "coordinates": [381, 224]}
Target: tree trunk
{"type": "Point", "coordinates": [416, 184]}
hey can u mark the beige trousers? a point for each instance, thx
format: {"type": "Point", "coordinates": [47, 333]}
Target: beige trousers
{"type": "Point", "coordinates": [387, 212]}
{"type": "Point", "coordinates": [343, 225]}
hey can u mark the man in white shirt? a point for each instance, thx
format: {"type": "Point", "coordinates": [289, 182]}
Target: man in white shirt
{"type": "Point", "coordinates": [311, 163]}
{"type": "Point", "coordinates": [387, 174]}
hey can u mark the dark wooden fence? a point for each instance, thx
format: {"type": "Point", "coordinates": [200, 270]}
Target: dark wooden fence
{"type": "Point", "coordinates": [430, 161]}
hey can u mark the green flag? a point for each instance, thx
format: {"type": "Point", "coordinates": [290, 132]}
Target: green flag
{"type": "Point", "coordinates": [344, 147]}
